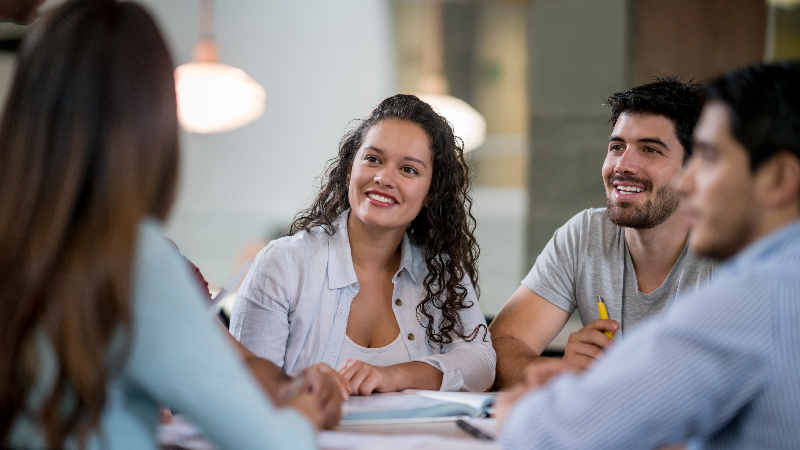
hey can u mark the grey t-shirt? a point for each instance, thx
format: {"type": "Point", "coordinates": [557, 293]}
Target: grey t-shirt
{"type": "Point", "coordinates": [588, 256]}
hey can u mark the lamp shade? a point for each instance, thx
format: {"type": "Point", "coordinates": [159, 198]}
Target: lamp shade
{"type": "Point", "coordinates": [214, 97]}
{"type": "Point", "coordinates": [467, 123]}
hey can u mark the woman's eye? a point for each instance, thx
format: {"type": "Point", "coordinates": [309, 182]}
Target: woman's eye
{"type": "Point", "coordinates": [410, 170]}
{"type": "Point", "coordinates": [372, 159]}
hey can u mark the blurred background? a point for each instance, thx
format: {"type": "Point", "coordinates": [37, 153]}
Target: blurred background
{"type": "Point", "coordinates": [537, 71]}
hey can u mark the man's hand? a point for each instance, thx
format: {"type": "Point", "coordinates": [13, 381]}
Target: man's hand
{"type": "Point", "coordinates": [317, 392]}
{"type": "Point", "coordinates": [522, 330]}
{"type": "Point", "coordinates": [506, 401]}
{"type": "Point", "coordinates": [587, 344]}
{"type": "Point", "coordinates": [536, 375]}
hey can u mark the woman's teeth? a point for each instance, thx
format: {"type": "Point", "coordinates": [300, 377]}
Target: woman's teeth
{"type": "Point", "coordinates": [380, 198]}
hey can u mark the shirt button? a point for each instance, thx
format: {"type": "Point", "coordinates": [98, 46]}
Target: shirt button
{"type": "Point", "coordinates": [410, 336]}
{"type": "Point", "coordinates": [398, 302]}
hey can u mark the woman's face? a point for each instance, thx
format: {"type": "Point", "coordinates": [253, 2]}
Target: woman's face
{"type": "Point", "coordinates": [391, 175]}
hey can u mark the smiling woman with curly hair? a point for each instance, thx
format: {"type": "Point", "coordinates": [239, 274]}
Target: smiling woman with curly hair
{"type": "Point", "coordinates": [378, 277]}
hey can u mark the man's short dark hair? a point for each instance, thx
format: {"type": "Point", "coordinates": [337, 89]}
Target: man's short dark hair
{"type": "Point", "coordinates": [676, 100]}
{"type": "Point", "coordinates": [764, 108]}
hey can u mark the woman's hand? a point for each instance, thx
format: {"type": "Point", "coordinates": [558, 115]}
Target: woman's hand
{"type": "Point", "coordinates": [323, 378]}
{"type": "Point", "coordinates": [364, 379]}
{"type": "Point", "coordinates": [317, 392]}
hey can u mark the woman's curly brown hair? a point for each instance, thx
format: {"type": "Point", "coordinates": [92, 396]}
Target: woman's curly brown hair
{"type": "Point", "coordinates": [444, 228]}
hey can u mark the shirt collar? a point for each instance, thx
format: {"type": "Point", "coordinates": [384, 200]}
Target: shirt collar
{"type": "Point", "coordinates": [340, 260]}
{"type": "Point", "coordinates": [412, 259]}
{"type": "Point", "coordinates": [785, 238]}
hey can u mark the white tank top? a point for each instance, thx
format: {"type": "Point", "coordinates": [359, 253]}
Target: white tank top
{"type": "Point", "coordinates": [394, 353]}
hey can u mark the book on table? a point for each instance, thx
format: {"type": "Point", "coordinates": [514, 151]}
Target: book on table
{"type": "Point", "coordinates": [413, 404]}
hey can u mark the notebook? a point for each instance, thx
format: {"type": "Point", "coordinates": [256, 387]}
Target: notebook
{"type": "Point", "coordinates": [413, 403]}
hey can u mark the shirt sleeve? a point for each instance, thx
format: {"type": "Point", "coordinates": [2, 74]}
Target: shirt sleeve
{"type": "Point", "coordinates": [553, 275]}
{"type": "Point", "coordinates": [179, 357]}
{"type": "Point", "coordinates": [260, 316]}
{"type": "Point", "coordinates": [684, 374]}
{"type": "Point", "coordinates": [467, 366]}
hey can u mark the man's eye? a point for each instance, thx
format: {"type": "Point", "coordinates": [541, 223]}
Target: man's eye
{"type": "Point", "coordinates": [615, 148]}
{"type": "Point", "coordinates": [708, 155]}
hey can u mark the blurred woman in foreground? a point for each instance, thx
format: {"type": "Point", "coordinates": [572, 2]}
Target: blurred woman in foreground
{"type": "Point", "coordinates": [102, 322]}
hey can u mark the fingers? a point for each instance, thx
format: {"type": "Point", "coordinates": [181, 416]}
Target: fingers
{"type": "Point", "coordinates": [166, 416]}
{"type": "Point", "coordinates": [586, 345]}
{"type": "Point", "coordinates": [330, 401]}
{"type": "Point", "coordinates": [595, 329]}
{"type": "Point", "coordinates": [361, 378]}
{"type": "Point", "coordinates": [538, 374]}
{"type": "Point", "coordinates": [321, 391]}
{"type": "Point", "coordinates": [505, 401]}
{"type": "Point", "coordinates": [307, 404]}
{"type": "Point", "coordinates": [324, 373]}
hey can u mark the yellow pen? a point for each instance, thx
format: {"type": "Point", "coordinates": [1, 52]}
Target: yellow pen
{"type": "Point", "coordinates": [601, 308]}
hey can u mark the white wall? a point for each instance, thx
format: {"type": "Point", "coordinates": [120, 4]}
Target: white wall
{"type": "Point", "coordinates": [322, 64]}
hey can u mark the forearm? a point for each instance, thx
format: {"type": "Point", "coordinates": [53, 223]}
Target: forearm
{"type": "Point", "coordinates": [512, 358]}
{"type": "Point", "coordinates": [269, 376]}
{"type": "Point", "coordinates": [414, 375]}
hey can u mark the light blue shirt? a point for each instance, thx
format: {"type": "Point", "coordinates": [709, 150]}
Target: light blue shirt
{"type": "Point", "coordinates": [294, 302]}
{"type": "Point", "coordinates": [179, 357]}
{"type": "Point", "coordinates": [721, 366]}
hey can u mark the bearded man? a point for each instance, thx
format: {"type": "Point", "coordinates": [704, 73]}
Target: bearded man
{"type": "Point", "coordinates": [633, 253]}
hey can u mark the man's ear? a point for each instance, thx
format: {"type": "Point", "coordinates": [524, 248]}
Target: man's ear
{"type": "Point", "coordinates": [778, 180]}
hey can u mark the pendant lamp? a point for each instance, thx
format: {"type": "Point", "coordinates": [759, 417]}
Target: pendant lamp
{"type": "Point", "coordinates": [468, 124]}
{"type": "Point", "coordinates": [215, 97]}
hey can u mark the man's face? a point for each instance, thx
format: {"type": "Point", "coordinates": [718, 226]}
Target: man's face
{"type": "Point", "coordinates": [644, 156]}
{"type": "Point", "coordinates": [718, 188]}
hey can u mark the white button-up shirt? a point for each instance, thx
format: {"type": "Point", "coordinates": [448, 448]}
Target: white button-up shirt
{"type": "Point", "coordinates": [293, 305]}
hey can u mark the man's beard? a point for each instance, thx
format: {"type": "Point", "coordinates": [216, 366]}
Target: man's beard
{"type": "Point", "coordinates": [652, 213]}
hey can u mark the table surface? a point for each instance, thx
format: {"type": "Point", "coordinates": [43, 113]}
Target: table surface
{"type": "Point", "coordinates": [447, 429]}
{"type": "Point", "coordinates": [417, 434]}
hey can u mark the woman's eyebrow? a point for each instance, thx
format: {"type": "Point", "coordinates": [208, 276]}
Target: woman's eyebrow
{"type": "Point", "coordinates": [406, 158]}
